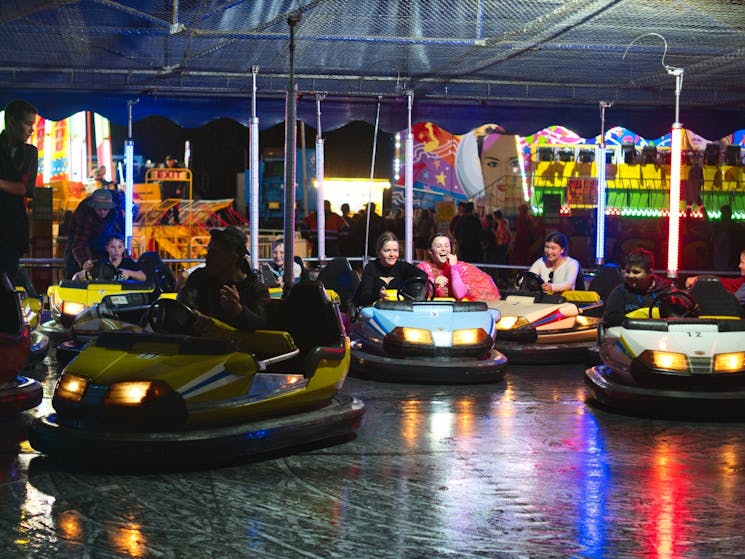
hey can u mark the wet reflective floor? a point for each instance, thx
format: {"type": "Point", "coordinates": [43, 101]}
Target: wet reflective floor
{"type": "Point", "coordinates": [522, 468]}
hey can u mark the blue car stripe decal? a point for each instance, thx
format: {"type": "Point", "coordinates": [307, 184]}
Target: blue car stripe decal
{"type": "Point", "coordinates": [214, 378]}
{"type": "Point", "coordinates": [214, 383]}
{"type": "Point", "coordinates": [377, 326]}
{"type": "Point", "coordinates": [625, 349]}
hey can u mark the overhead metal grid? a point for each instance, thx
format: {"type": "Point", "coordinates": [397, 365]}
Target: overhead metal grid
{"type": "Point", "coordinates": [549, 52]}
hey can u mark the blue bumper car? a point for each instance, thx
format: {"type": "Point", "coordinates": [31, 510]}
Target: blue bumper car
{"type": "Point", "coordinates": [427, 342]}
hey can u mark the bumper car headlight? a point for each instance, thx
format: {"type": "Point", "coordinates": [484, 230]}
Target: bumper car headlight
{"type": "Point", "coordinates": [71, 387]}
{"type": "Point", "coordinates": [134, 393]}
{"type": "Point", "coordinates": [512, 322]}
{"type": "Point", "coordinates": [729, 362]}
{"type": "Point", "coordinates": [468, 336]}
{"type": "Point", "coordinates": [418, 336]}
{"type": "Point", "coordinates": [72, 309]}
{"type": "Point", "coordinates": [665, 360]}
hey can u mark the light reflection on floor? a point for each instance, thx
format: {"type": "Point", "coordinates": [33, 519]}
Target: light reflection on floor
{"type": "Point", "coordinates": [522, 468]}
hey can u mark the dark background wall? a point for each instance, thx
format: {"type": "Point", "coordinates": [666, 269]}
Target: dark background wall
{"type": "Point", "coordinates": [219, 150]}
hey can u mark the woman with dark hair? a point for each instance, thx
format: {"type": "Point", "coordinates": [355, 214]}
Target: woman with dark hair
{"type": "Point", "coordinates": [556, 268]}
{"type": "Point", "coordinates": [385, 272]}
{"type": "Point", "coordinates": [226, 288]}
{"type": "Point", "coordinates": [455, 278]}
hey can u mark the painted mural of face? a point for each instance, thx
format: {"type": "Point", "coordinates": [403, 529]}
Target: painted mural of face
{"type": "Point", "coordinates": [497, 153]}
{"type": "Point", "coordinates": [484, 159]}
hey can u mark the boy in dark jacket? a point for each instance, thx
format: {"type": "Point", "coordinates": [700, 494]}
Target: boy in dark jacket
{"type": "Point", "coordinates": [641, 288]}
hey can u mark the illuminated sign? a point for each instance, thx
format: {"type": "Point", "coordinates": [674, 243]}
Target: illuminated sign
{"type": "Point", "coordinates": [168, 175]}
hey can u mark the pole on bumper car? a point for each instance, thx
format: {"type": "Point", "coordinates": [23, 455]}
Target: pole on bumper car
{"type": "Point", "coordinates": [290, 153]}
{"type": "Point", "coordinates": [676, 141]}
{"type": "Point", "coordinates": [409, 186]}
{"type": "Point", "coordinates": [253, 220]}
{"type": "Point", "coordinates": [320, 209]}
{"type": "Point", "coordinates": [600, 217]}
{"type": "Point", "coordinates": [129, 156]}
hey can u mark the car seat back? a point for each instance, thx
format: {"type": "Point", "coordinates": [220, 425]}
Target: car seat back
{"type": "Point", "coordinates": [608, 277]}
{"type": "Point", "coordinates": [713, 299]}
{"type": "Point", "coordinates": [339, 276]}
{"type": "Point", "coordinates": [579, 282]}
{"type": "Point", "coordinates": [157, 272]}
{"type": "Point", "coordinates": [311, 318]}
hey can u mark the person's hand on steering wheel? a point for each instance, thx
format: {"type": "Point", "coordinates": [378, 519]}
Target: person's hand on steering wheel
{"type": "Point", "coordinates": [426, 291]}
{"type": "Point", "coordinates": [202, 324]}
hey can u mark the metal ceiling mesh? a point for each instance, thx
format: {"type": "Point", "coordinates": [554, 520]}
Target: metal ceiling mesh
{"type": "Point", "coordinates": [576, 51]}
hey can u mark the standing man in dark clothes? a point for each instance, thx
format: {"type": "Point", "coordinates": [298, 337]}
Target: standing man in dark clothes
{"type": "Point", "coordinates": [467, 233]}
{"type": "Point", "coordinates": [19, 163]}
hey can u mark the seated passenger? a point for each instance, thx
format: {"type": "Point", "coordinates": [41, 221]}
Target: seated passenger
{"type": "Point", "coordinates": [454, 278]}
{"type": "Point", "coordinates": [556, 268]}
{"type": "Point", "coordinates": [226, 288]}
{"type": "Point", "coordinates": [277, 264]}
{"type": "Point", "coordinates": [733, 285]}
{"type": "Point", "coordinates": [385, 272]}
{"type": "Point", "coordinates": [640, 288]}
{"type": "Point", "coordinates": [116, 266]}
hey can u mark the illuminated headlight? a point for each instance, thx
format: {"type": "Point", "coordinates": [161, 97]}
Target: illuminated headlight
{"type": "Point", "coordinates": [469, 336]}
{"type": "Point", "coordinates": [71, 387]}
{"type": "Point", "coordinates": [72, 309]}
{"type": "Point", "coordinates": [418, 336]}
{"type": "Point", "coordinates": [729, 362]}
{"type": "Point", "coordinates": [512, 322]}
{"type": "Point", "coordinates": [666, 360]}
{"type": "Point", "coordinates": [134, 393]}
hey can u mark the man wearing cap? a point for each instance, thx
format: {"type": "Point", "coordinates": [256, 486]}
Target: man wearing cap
{"type": "Point", "coordinates": [19, 163]}
{"type": "Point", "coordinates": [226, 288]}
{"type": "Point", "coordinates": [95, 219]}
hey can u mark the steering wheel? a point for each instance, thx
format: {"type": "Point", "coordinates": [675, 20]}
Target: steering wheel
{"type": "Point", "coordinates": [676, 303]}
{"type": "Point", "coordinates": [528, 282]}
{"type": "Point", "coordinates": [416, 289]}
{"type": "Point", "coordinates": [168, 316]}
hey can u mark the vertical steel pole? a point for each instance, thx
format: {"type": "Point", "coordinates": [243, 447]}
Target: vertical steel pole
{"type": "Point", "coordinates": [409, 186]}
{"type": "Point", "coordinates": [253, 220]}
{"type": "Point", "coordinates": [129, 152]}
{"type": "Point", "coordinates": [290, 153]}
{"type": "Point", "coordinates": [320, 176]}
{"type": "Point", "coordinates": [600, 217]}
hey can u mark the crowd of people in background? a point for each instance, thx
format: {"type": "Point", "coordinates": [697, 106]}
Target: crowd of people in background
{"type": "Point", "coordinates": [504, 243]}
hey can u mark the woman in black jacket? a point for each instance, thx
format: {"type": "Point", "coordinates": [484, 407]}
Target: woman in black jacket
{"type": "Point", "coordinates": [385, 272]}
